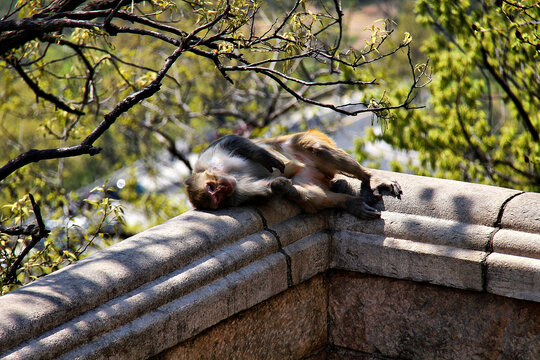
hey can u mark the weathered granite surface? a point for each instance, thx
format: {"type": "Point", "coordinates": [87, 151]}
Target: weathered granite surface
{"type": "Point", "coordinates": [410, 320]}
{"type": "Point", "coordinates": [289, 325]}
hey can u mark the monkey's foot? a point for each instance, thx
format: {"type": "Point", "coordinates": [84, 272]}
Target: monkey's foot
{"type": "Point", "coordinates": [280, 185]}
{"type": "Point", "coordinates": [360, 209]}
{"type": "Point", "coordinates": [378, 184]}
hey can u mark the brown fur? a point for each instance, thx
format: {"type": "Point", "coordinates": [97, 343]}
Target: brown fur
{"type": "Point", "coordinates": [311, 160]}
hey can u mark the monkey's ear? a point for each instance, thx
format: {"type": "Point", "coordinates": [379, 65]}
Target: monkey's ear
{"type": "Point", "coordinates": [188, 181]}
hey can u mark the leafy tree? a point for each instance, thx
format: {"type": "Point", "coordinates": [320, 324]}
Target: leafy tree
{"type": "Point", "coordinates": [73, 72]}
{"type": "Point", "coordinates": [482, 120]}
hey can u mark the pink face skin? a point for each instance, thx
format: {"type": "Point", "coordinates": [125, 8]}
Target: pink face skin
{"type": "Point", "coordinates": [220, 189]}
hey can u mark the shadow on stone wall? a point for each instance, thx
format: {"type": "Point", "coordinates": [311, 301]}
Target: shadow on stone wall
{"type": "Point", "coordinates": [451, 270]}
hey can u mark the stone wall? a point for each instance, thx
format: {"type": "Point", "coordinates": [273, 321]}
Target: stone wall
{"type": "Point", "coordinates": [290, 325]}
{"type": "Point", "coordinates": [410, 320]}
{"type": "Point", "coordinates": [346, 315]}
{"type": "Point", "coordinates": [451, 270]}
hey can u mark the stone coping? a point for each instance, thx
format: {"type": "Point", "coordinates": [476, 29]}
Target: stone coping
{"type": "Point", "coordinates": [173, 281]}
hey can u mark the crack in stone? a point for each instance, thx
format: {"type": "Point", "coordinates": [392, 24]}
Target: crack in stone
{"type": "Point", "coordinates": [489, 245]}
{"type": "Point", "coordinates": [280, 246]}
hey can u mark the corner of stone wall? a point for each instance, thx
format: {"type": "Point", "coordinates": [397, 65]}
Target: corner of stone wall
{"type": "Point", "coordinates": [513, 264]}
{"type": "Point", "coordinates": [449, 233]}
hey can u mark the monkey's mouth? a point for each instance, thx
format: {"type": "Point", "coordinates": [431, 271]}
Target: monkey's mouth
{"type": "Point", "coordinates": [215, 201]}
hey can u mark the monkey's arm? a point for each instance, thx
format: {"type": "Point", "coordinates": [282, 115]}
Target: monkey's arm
{"type": "Point", "coordinates": [245, 148]}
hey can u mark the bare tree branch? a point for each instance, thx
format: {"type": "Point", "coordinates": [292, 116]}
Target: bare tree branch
{"type": "Point", "coordinates": [36, 231]}
{"type": "Point", "coordinates": [86, 146]}
{"type": "Point", "coordinates": [515, 100]}
{"type": "Point", "coordinates": [61, 14]}
{"type": "Point", "coordinates": [42, 94]}
{"type": "Point", "coordinates": [34, 155]}
{"type": "Point", "coordinates": [169, 142]}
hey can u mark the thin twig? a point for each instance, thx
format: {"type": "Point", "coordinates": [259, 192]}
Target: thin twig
{"type": "Point", "coordinates": [38, 232]}
{"type": "Point", "coordinates": [41, 93]}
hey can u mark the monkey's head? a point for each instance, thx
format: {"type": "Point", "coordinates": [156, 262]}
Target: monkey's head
{"type": "Point", "coordinates": [207, 190]}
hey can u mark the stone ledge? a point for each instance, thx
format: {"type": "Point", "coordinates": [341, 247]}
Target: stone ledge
{"type": "Point", "coordinates": [173, 281]}
{"type": "Point", "coordinates": [405, 259]}
{"type": "Point", "coordinates": [517, 243]}
{"type": "Point", "coordinates": [71, 291]}
{"type": "Point", "coordinates": [422, 229]}
{"type": "Point", "coordinates": [522, 213]}
{"type": "Point", "coordinates": [447, 199]}
{"type": "Point", "coordinates": [309, 256]}
{"type": "Point", "coordinates": [189, 315]}
{"type": "Point", "coordinates": [289, 325]}
{"type": "Point", "coordinates": [513, 276]}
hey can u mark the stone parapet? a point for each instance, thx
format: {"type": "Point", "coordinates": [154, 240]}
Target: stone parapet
{"type": "Point", "coordinates": [172, 282]}
{"type": "Point", "coordinates": [449, 233]}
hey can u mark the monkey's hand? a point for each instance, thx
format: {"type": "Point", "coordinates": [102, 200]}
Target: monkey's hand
{"type": "Point", "coordinates": [377, 184]}
{"type": "Point", "coordinates": [273, 163]}
{"type": "Point", "coordinates": [358, 207]}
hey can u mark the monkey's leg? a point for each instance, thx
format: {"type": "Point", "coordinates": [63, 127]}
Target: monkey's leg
{"type": "Point", "coordinates": [312, 198]}
{"type": "Point", "coordinates": [330, 160]}
{"type": "Point", "coordinates": [247, 149]}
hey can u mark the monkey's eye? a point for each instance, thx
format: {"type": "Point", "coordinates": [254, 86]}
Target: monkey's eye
{"type": "Point", "coordinates": [210, 187]}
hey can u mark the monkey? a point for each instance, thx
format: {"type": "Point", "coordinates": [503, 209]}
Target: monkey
{"type": "Point", "coordinates": [232, 171]}
{"type": "Point", "coordinates": [301, 167]}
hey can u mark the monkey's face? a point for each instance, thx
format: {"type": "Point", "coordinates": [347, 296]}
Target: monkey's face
{"type": "Point", "coordinates": [207, 190]}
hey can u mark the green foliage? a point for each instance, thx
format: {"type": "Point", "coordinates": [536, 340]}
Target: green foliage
{"type": "Point", "coordinates": [482, 119]}
{"type": "Point", "coordinates": [244, 65]}
{"type": "Point", "coordinates": [93, 225]}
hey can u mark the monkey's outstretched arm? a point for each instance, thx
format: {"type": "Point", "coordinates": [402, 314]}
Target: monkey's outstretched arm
{"type": "Point", "coordinates": [245, 148]}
